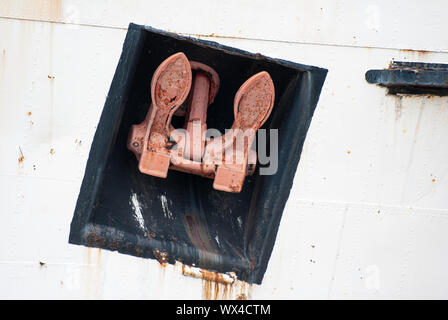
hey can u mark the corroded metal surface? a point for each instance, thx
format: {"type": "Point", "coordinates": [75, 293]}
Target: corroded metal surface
{"type": "Point", "coordinates": [152, 140]}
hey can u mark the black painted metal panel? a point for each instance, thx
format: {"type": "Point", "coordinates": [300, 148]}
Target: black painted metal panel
{"type": "Point", "coordinates": [412, 78]}
{"type": "Point", "coordinates": [183, 215]}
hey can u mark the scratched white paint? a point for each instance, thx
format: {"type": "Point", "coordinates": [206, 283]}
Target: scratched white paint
{"type": "Point", "coordinates": [138, 212]}
{"type": "Point", "coordinates": [368, 212]}
{"type": "Point", "coordinates": [166, 210]}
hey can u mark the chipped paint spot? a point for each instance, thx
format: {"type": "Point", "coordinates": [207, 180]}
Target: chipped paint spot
{"type": "Point", "coordinates": [166, 211]}
{"type": "Point", "coordinates": [138, 212]}
{"type": "Point", "coordinates": [217, 240]}
{"type": "Point", "coordinates": [240, 222]}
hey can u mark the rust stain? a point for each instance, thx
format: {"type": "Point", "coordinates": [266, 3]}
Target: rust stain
{"type": "Point", "coordinates": [89, 256]}
{"type": "Point", "coordinates": [90, 261]}
{"type": "Point", "coordinates": [55, 9]}
{"type": "Point", "coordinates": [51, 77]}
{"type": "Point", "coordinates": [113, 245]}
{"type": "Point", "coordinates": [95, 240]}
{"type": "Point", "coordinates": [207, 290]}
{"type": "Point", "coordinates": [198, 233]}
{"type": "Point", "coordinates": [215, 286]}
{"type": "Point", "coordinates": [243, 289]}
{"type": "Point", "coordinates": [98, 257]}
{"type": "Point", "coordinates": [212, 290]}
{"type": "Point", "coordinates": [244, 292]}
{"type": "Point", "coordinates": [212, 276]}
{"type": "Point", "coordinates": [52, 152]}
{"type": "Point", "coordinates": [50, 10]}
{"type": "Point", "coordinates": [161, 256]}
{"type": "Point", "coordinates": [22, 157]}
{"type": "Point", "coordinates": [420, 52]}
{"type": "Point", "coordinates": [29, 113]}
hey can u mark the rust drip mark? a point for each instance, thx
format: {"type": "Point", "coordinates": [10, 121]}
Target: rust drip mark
{"type": "Point", "coordinates": [421, 54]}
{"type": "Point", "coordinates": [98, 259]}
{"type": "Point", "coordinates": [161, 256]}
{"type": "Point", "coordinates": [216, 291]}
{"type": "Point", "coordinates": [242, 295]}
{"type": "Point", "coordinates": [89, 257]}
{"type": "Point", "coordinates": [198, 234]}
{"type": "Point", "coordinates": [50, 10]}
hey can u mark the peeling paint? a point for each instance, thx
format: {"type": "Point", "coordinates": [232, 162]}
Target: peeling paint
{"type": "Point", "coordinates": [219, 286]}
{"type": "Point", "coordinates": [217, 239]}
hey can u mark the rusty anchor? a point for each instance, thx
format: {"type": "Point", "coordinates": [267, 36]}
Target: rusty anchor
{"type": "Point", "coordinates": [188, 88]}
